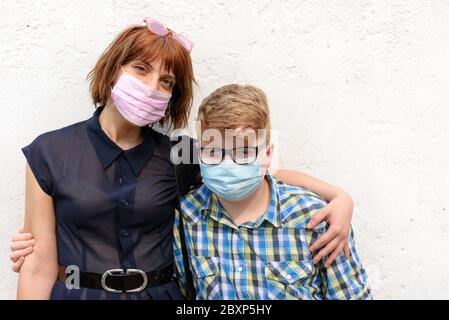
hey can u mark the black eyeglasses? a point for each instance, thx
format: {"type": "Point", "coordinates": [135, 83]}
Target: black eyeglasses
{"type": "Point", "coordinates": [242, 155]}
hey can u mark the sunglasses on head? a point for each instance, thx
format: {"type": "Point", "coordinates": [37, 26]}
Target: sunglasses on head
{"type": "Point", "coordinates": [159, 29]}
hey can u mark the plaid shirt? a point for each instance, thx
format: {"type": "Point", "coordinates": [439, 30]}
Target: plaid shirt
{"type": "Point", "coordinates": [265, 259]}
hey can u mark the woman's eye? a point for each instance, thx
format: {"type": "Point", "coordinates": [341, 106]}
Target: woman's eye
{"type": "Point", "coordinates": [139, 68]}
{"type": "Point", "coordinates": [168, 83]}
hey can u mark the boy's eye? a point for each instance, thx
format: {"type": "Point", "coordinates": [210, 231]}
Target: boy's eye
{"type": "Point", "coordinates": [245, 155]}
{"type": "Point", "coordinates": [211, 155]}
{"type": "Point", "coordinates": [210, 152]}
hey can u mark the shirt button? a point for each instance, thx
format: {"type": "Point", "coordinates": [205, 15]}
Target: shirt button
{"type": "Point", "coordinates": [124, 233]}
{"type": "Point", "coordinates": [120, 181]}
{"type": "Point", "coordinates": [127, 264]}
{"type": "Point", "coordinates": [239, 269]}
{"type": "Point", "coordinates": [125, 202]}
{"type": "Point", "coordinates": [289, 277]}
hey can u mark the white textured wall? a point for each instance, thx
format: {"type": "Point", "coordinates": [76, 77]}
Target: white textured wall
{"type": "Point", "coordinates": [358, 89]}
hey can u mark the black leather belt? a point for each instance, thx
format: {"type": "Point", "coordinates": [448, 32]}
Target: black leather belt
{"type": "Point", "coordinates": [119, 280]}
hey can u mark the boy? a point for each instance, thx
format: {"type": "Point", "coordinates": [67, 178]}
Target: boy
{"type": "Point", "coordinates": [245, 231]}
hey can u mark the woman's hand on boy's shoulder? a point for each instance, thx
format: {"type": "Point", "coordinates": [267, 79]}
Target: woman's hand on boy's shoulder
{"type": "Point", "coordinates": [338, 214]}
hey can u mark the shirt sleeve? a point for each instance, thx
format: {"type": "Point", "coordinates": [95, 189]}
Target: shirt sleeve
{"type": "Point", "coordinates": [179, 262]}
{"type": "Point", "coordinates": [345, 279]}
{"type": "Point", "coordinates": [36, 154]}
{"type": "Point", "coordinates": [188, 167]}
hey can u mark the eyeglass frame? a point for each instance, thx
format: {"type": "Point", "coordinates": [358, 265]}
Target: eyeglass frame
{"type": "Point", "coordinates": [230, 151]}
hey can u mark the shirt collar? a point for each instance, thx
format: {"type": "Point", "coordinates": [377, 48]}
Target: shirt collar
{"type": "Point", "coordinates": [107, 151]}
{"type": "Point", "coordinates": [210, 206]}
{"type": "Point", "coordinates": [214, 209]}
{"type": "Point", "coordinates": [273, 213]}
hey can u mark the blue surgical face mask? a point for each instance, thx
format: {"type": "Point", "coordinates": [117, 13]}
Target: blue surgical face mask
{"type": "Point", "coordinates": [232, 181]}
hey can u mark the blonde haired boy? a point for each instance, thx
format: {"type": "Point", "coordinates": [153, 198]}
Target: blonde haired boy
{"type": "Point", "coordinates": [245, 232]}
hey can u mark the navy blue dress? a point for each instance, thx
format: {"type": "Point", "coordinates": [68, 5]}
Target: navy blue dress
{"type": "Point", "coordinates": [114, 208]}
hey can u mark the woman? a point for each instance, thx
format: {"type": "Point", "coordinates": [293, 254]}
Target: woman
{"type": "Point", "coordinates": [100, 194]}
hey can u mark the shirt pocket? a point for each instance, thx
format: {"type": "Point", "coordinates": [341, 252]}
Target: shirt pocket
{"type": "Point", "coordinates": [206, 274]}
{"type": "Point", "coordinates": [288, 279]}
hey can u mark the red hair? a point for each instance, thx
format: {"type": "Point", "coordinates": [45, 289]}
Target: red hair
{"type": "Point", "coordinates": [138, 43]}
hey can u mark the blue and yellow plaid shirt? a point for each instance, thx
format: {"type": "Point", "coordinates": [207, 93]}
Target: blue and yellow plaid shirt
{"type": "Point", "coordinates": [265, 259]}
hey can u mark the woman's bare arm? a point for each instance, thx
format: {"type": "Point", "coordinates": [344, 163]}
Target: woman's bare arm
{"type": "Point", "coordinates": [39, 270]}
{"type": "Point", "coordinates": [324, 189]}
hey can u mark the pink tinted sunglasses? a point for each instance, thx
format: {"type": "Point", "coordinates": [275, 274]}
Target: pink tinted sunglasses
{"type": "Point", "coordinates": [159, 29]}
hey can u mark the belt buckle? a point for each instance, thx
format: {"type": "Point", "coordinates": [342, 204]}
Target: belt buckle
{"type": "Point", "coordinates": [121, 272]}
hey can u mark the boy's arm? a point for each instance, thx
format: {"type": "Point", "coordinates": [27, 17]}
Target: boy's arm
{"type": "Point", "coordinates": [179, 262]}
{"type": "Point", "coordinates": [345, 279]}
{"type": "Point", "coordinates": [338, 213]}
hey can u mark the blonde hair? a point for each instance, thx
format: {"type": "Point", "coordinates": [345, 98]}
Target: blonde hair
{"type": "Point", "coordinates": [233, 106]}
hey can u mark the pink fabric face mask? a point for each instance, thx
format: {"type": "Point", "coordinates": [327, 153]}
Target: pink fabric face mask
{"type": "Point", "coordinates": [137, 102]}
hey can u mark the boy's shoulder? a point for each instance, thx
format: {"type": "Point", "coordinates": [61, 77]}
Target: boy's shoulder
{"type": "Point", "coordinates": [297, 205]}
{"type": "Point", "coordinates": [193, 202]}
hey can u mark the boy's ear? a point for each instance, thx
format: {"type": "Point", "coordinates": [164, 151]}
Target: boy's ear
{"type": "Point", "coordinates": [266, 162]}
